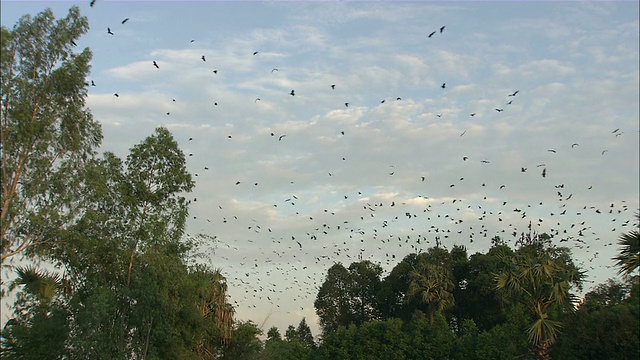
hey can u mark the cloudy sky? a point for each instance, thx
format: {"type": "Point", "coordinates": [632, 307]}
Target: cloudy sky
{"type": "Point", "coordinates": [441, 122]}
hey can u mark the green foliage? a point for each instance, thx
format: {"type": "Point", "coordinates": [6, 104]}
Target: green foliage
{"type": "Point", "coordinates": [245, 343]}
{"type": "Point", "coordinates": [40, 330]}
{"type": "Point", "coordinates": [129, 257]}
{"type": "Point", "coordinates": [42, 336]}
{"type": "Point", "coordinates": [47, 133]}
{"type": "Point", "coordinates": [425, 281]}
{"type": "Point", "coordinates": [291, 334]}
{"type": "Point", "coordinates": [466, 345]}
{"type": "Point", "coordinates": [505, 341]}
{"type": "Point", "coordinates": [604, 327]}
{"type": "Point", "coordinates": [389, 339]}
{"type": "Point", "coordinates": [291, 349]}
{"type": "Point", "coordinates": [332, 302]}
{"type": "Point", "coordinates": [303, 334]}
{"type": "Point", "coordinates": [132, 294]}
{"type": "Point", "coordinates": [274, 334]}
{"type": "Point", "coordinates": [363, 291]}
{"type": "Point", "coordinates": [349, 295]}
{"type": "Point", "coordinates": [394, 287]}
{"type": "Point", "coordinates": [477, 299]}
{"type": "Point", "coordinates": [533, 298]}
{"type": "Point", "coordinates": [432, 285]}
{"type": "Point", "coordinates": [44, 285]}
{"type": "Point", "coordinates": [540, 277]}
{"type": "Point", "coordinates": [382, 340]}
{"type": "Point", "coordinates": [612, 292]}
{"type": "Point", "coordinates": [116, 226]}
{"type": "Point", "coordinates": [430, 340]}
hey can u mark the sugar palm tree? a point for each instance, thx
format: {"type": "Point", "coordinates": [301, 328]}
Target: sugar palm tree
{"type": "Point", "coordinates": [433, 286]}
{"type": "Point", "coordinates": [628, 258]}
{"type": "Point", "coordinates": [38, 328]}
{"type": "Point", "coordinates": [42, 284]}
{"type": "Point", "coordinates": [541, 282]}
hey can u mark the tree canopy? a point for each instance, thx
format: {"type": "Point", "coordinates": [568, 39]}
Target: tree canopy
{"type": "Point", "coordinates": [47, 133]}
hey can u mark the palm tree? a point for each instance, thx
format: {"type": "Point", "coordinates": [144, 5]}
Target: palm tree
{"type": "Point", "coordinates": [213, 305]}
{"type": "Point", "coordinates": [42, 284]}
{"type": "Point", "coordinates": [629, 257]}
{"type": "Point", "coordinates": [433, 286]}
{"type": "Point", "coordinates": [218, 304]}
{"type": "Point", "coordinates": [39, 326]}
{"type": "Point", "coordinates": [542, 282]}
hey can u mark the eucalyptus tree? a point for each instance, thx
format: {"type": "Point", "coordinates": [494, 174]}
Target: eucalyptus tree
{"type": "Point", "coordinates": [135, 296]}
{"type": "Point", "coordinates": [47, 134]}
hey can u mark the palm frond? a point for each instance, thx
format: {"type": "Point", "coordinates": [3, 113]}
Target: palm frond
{"type": "Point", "coordinates": [628, 258]}
{"type": "Point", "coordinates": [40, 283]}
{"type": "Point", "coordinates": [543, 330]}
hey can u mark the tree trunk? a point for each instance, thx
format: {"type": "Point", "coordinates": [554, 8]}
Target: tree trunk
{"type": "Point", "coordinates": [543, 350]}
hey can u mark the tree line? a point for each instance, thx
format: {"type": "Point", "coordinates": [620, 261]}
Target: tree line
{"type": "Point", "coordinates": [503, 304]}
{"type": "Point", "coordinates": [125, 281]}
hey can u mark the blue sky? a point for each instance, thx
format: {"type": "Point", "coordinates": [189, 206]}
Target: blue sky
{"type": "Point", "coordinates": [574, 65]}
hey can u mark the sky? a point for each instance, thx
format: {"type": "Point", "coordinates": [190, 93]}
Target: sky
{"type": "Point", "coordinates": [324, 132]}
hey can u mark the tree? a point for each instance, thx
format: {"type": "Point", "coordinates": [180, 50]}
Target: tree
{"type": "Point", "coordinates": [429, 340]}
{"type": "Point", "coordinates": [612, 292]}
{"type": "Point", "coordinates": [476, 297]}
{"type": "Point", "coordinates": [364, 288]}
{"type": "Point", "coordinates": [291, 334]}
{"type": "Point", "coordinates": [47, 133]}
{"type": "Point", "coordinates": [274, 334]}
{"type": "Point", "coordinates": [349, 295]}
{"type": "Point", "coordinates": [506, 340]}
{"type": "Point", "coordinates": [291, 349]}
{"type": "Point", "coordinates": [629, 257]}
{"type": "Point", "coordinates": [541, 278]}
{"type": "Point", "coordinates": [605, 326]}
{"type": "Point", "coordinates": [40, 325]}
{"type": "Point", "coordinates": [245, 343]}
{"type": "Point", "coordinates": [393, 290]}
{"type": "Point", "coordinates": [332, 302]}
{"type": "Point", "coordinates": [157, 175]}
{"type": "Point", "coordinates": [136, 296]}
{"type": "Point", "coordinates": [215, 309]}
{"type": "Point", "coordinates": [42, 284]}
{"type": "Point", "coordinates": [131, 207]}
{"type": "Point", "coordinates": [432, 285]}
{"type": "Point", "coordinates": [398, 299]}
{"type": "Point", "coordinates": [303, 334]}
{"type": "Point", "coordinates": [133, 294]}
{"type": "Point", "coordinates": [427, 280]}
